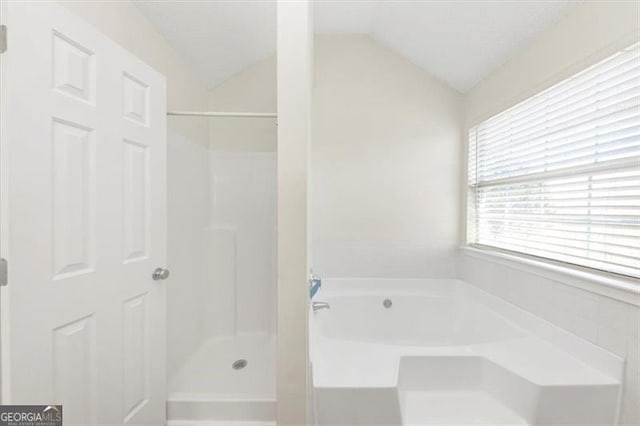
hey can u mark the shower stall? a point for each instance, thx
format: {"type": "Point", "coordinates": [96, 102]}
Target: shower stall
{"type": "Point", "coordinates": [231, 374]}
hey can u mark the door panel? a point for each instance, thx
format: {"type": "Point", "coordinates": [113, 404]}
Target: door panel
{"type": "Point", "coordinates": [86, 141]}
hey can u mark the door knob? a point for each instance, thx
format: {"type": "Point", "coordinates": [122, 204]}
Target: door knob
{"type": "Point", "coordinates": [160, 274]}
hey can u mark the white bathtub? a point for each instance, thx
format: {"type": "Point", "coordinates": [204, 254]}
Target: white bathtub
{"type": "Point", "coordinates": [445, 352]}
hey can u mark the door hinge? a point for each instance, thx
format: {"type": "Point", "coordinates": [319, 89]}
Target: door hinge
{"type": "Point", "coordinates": [3, 38]}
{"type": "Point", "coordinates": [4, 272]}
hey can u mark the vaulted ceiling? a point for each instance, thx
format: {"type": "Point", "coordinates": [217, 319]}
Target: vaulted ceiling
{"type": "Point", "coordinates": [458, 41]}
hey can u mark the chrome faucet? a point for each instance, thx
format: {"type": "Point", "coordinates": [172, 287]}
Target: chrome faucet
{"type": "Point", "coordinates": [319, 305]}
{"type": "Point", "coordinates": [315, 283]}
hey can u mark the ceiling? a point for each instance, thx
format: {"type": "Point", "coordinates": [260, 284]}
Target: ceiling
{"type": "Point", "coordinates": [458, 41]}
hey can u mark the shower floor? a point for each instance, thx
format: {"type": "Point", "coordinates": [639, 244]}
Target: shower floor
{"type": "Point", "coordinates": [207, 390]}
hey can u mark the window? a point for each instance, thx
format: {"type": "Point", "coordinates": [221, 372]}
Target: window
{"type": "Point", "coordinates": [558, 175]}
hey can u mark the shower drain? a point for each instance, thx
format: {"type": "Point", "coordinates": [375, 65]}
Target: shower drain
{"type": "Point", "coordinates": [239, 364]}
{"type": "Point", "coordinates": [387, 303]}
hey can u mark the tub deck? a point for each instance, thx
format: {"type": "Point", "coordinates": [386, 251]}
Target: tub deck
{"type": "Point", "coordinates": [498, 365]}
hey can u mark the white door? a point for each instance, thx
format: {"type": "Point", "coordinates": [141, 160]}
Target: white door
{"type": "Point", "coordinates": [85, 145]}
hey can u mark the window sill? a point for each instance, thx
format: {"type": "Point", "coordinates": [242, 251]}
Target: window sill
{"type": "Point", "coordinates": [610, 285]}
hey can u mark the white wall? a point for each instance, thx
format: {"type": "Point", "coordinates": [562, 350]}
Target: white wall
{"type": "Point", "coordinates": [187, 166]}
{"type": "Point", "coordinates": [252, 90]}
{"type": "Point", "coordinates": [588, 34]}
{"type": "Point", "coordinates": [385, 164]}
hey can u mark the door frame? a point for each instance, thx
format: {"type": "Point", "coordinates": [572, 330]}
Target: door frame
{"type": "Point", "coordinates": [4, 212]}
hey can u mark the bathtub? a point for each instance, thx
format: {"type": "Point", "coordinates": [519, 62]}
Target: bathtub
{"type": "Point", "coordinates": [418, 352]}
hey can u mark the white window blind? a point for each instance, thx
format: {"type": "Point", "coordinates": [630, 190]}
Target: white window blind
{"type": "Point", "coordinates": [558, 175]}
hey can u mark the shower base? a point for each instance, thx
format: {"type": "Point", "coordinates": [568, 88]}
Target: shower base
{"type": "Point", "coordinates": [208, 391]}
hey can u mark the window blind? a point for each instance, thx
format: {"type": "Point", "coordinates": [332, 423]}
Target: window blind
{"type": "Point", "coordinates": [558, 175]}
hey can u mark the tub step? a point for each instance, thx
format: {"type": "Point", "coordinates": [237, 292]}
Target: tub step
{"type": "Point", "coordinates": [456, 408]}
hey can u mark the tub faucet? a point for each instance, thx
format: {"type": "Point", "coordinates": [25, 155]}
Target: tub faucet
{"type": "Point", "coordinates": [319, 305]}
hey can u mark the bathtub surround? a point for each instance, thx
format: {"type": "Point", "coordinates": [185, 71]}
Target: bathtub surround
{"type": "Point", "coordinates": [385, 164]}
{"type": "Point", "coordinates": [587, 35]}
{"type": "Point", "coordinates": [600, 320]}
